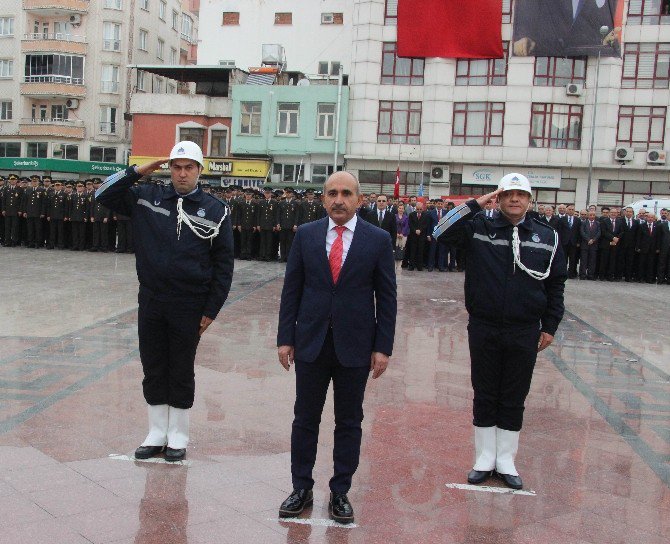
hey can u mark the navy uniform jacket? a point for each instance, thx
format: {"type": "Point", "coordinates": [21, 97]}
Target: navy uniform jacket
{"type": "Point", "coordinates": [361, 308]}
{"type": "Point", "coordinates": [184, 269]}
{"type": "Point", "coordinates": [496, 290]}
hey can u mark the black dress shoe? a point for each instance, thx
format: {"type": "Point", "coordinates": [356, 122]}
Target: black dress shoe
{"type": "Point", "coordinates": [172, 454]}
{"type": "Point", "coordinates": [296, 502]}
{"type": "Point", "coordinates": [511, 481]}
{"type": "Point", "coordinates": [145, 452]}
{"type": "Point", "coordinates": [340, 508]}
{"type": "Point", "coordinates": [478, 476]}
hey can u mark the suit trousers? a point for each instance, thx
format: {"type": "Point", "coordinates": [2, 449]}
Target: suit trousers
{"type": "Point", "coordinates": [502, 362]}
{"type": "Point", "coordinates": [608, 256]}
{"type": "Point", "coordinates": [571, 256]}
{"type": "Point", "coordinates": [169, 337]}
{"type": "Point", "coordinates": [437, 255]}
{"type": "Point", "coordinates": [647, 266]}
{"type": "Point", "coordinates": [587, 260]}
{"type": "Point", "coordinates": [417, 245]}
{"type": "Point", "coordinates": [312, 381]}
{"type": "Point", "coordinates": [626, 262]}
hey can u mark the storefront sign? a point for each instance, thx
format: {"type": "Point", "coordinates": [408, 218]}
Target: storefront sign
{"type": "Point", "coordinates": [61, 165]}
{"type": "Point", "coordinates": [248, 168]}
{"type": "Point", "coordinates": [541, 178]}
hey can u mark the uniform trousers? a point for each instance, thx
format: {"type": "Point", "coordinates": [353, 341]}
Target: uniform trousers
{"type": "Point", "coordinates": [12, 229]}
{"type": "Point", "coordinates": [286, 236]}
{"type": "Point", "coordinates": [312, 381]}
{"type": "Point", "coordinates": [502, 362]}
{"type": "Point", "coordinates": [2, 228]}
{"type": "Point", "coordinates": [169, 336]}
{"type": "Point", "coordinates": [35, 237]}
{"type": "Point", "coordinates": [100, 235]}
{"type": "Point", "coordinates": [246, 242]}
{"type": "Point", "coordinates": [124, 229]}
{"type": "Point", "coordinates": [265, 251]}
{"type": "Point", "coordinates": [78, 235]}
{"type": "Point", "coordinates": [57, 233]}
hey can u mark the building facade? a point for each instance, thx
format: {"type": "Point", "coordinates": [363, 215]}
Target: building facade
{"type": "Point", "coordinates": [65, 85]}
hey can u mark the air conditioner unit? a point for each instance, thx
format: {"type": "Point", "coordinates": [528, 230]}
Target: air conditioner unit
{"type": "Point", "coordinates": [623, 154]}
{"type": "Point", "coordinates": [656, 156]}
{"type": "Point", "coordinates": [327, 18]}
{"type": "Point", "coordinates": [75, 19]}
{"type": "Point", "coordinates": [439, 174]}
{"type": "Point", "coordinates": [72, 103]}
{"type": "Point", "coordinates": [574, 89]}
{"type": "Point", "coordinates": [227, 63]}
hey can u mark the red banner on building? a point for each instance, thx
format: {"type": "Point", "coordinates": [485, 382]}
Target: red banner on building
{"type": "Point", "coordinates": [450, 29]}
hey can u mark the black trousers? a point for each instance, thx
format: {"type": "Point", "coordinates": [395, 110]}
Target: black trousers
{"type": "Point", "coordinates": [647, 266]}
{"type": "Point", "coordinates": [57, 233]}
{"type": "Point", "coordinates": [663, 265]}
{"type": "Point", "coordinates": [78, 235]}
{"type": "Point", "coordinates": [168, 334]}
{"type": "Point", "coordinates": [285, 241]}
{"type": "Point", "coordinates": [2, 228]}
{"type": "Point", "coordinates": [626, 262]}
{"type": "Point", "coordinates": [35, 237]}
{"type": "Point", "coordinates": [246, 242]}
{"type": "Point", "coordinates": [265, 251]}
{"type": "Point", "coordinates": [587, 260]}
{"type": "Point", "coordinates": [12, 229]}
{"type": "Point", "coordinates": [571, 256]}
{"type": "Point", "coordinates": [100, 235]}
{"type": "Point", "coordinates": [502, 362]}
{"type": "Point", "coordinates": [417, 245]}
{"type": "Point", "coordinates": [125, 232]}
{"type": "Point", "coordinates": [607, 264]}
{"type": "Point", "coordinates": [312, 381]}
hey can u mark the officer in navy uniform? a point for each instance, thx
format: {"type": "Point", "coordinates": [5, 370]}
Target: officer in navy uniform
{"type": "Point", "coordinates": [266, 224]}
{"type": "Point", "coordinates": [78, 217]}
{"type": "Point", "coordinates": [184, 259]}
{"type": "Point", "coordinates": [34, 210]}
{"type": "Point", "coordinates": [287, 212]}
{"type": "Point", "coordinates": [2, 219]}
{"type": "Point", "coordinates": [11, 207]}
{"type": "Point", "coordinates": [514, 284]}
{"type": "Point", "coordinates": [56, 213]}
{"type": "Point", "coordinates": [244, 220]}
{"type": "Point", "coordinates": [310, 209]}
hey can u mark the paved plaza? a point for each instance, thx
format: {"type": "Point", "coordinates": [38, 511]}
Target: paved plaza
{"type": "Point", "coordinates": [594, 454]}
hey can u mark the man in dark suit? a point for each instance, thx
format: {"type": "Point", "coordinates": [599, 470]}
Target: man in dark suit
{"type": "Point", "coordinates": [437, 253]}
{"type": "Point", "coordinates": [568, 234]}
{"type": "Point", "coordinates": [590, 234]}
{"type": "Point", "coordinates": [336, 322]}
{"type": "Point", "coordinates": [610, 233]}
{"type": "Point", "coordinates": [626, 246]}
{"type": "Point", "coordinates": [662, 276]}
{"type": "Point", "coordinates": [382, 217]}
{"type": "Point", "coordinates": [647, 246]}
{"type": "Point", "coordinates": [419, 234]}
{"type": "Point", "coordinates": [549, 218]}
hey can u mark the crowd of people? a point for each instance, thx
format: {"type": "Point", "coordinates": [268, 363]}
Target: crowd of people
{"type": "Point", "coordinates": [616, 245]}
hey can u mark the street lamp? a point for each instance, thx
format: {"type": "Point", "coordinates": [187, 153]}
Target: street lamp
{"type": "Point", "coordinates": [604, 31]}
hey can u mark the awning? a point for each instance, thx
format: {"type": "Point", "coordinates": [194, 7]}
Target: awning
{"type": "Point", "coordinates": [188, 72]}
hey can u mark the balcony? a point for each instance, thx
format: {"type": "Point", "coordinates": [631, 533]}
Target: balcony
{"type": "Point", "coordinates": [56, 43]}
{"type": "Point", "coordinates": [61, 128]}
{"type": "Point", "coordinates": [56, 7]}
{"type": "Point", "coordinates": [53, 86]}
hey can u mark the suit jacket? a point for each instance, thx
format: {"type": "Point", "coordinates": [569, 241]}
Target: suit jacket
{"type": "Point", "coordinates": [388, 223]}
{"type": "Point", "coordinates": [647, 243]}
{"type": "Point", "coordinates": [663, 236]}
{"type": "Point", "coordinates": [422, 224]}
{"type": "Point", "coordinates": [608, 232]}
{"type": "Point", "coordinates": [553, 222]}
{"type": "Point", "coordinates": [569, 236]}
{"type": "Point", "coordinates": [629, 235]}
{"type": "Point", "coordinates": [590, 233]}
{"type": "Point", "coordinates": [361, 307]}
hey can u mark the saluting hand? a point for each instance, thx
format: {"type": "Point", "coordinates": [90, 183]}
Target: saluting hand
{"type": "Point", "coordinates": [491, 197]}
{"type": "Point", "coordinates": [146, 169]}
{"type": "Point", "coordinates": [286, 356]}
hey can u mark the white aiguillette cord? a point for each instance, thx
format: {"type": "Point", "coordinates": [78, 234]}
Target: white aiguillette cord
{"type": "Point", "coordinates": [516, 252]}
{"type": "Point", "coordinates": [201, 230]}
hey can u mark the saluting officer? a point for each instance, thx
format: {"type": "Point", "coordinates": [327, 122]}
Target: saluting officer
{"type": "Point", "coordinates": [184, 248]}
{"type": "Point", "coordinates": [266, 224]}
{"type": "Point", "coordinates": [78, 215]}
{"type": "Point", "coordinates": [287, 212]}
{"type": "Point", "coordinates": [56, 214]}
{"type": "Point", "coordinates": [245, 223]}
{"type": "Point", "coordinates": [11, 208]}
{"type": "Point", "coordinates": [514, 284]}
{"type": "Point", "coordinates": [34, 210]}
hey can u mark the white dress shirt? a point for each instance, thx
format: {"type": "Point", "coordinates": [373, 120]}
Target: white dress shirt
{"type": "Point", "coordinates": [347, 236]}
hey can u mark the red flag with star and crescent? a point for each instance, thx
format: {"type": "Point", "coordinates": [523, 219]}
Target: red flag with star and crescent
{"type": "Point", "coordinates": [396, 187]}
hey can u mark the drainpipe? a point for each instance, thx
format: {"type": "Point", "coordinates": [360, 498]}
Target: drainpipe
{"type": "Point", "coordinates": [337, 118]}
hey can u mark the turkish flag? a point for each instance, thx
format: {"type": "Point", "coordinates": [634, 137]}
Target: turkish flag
{"type": "Point", "coordinates": [470, 29]}
{"type": "Point", "coordinates": [396, 187]}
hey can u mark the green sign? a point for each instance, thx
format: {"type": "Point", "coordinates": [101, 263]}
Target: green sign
{"type": "Point", "coordinates": [61, 165]}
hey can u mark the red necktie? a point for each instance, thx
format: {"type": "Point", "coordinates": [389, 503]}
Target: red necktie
{"type": "Point", "coordinates": [335, 257]}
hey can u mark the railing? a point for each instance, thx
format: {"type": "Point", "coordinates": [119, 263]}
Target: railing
{"type": "Point", "coordinates": [54, 78]}
{"type": "Point", "coordinates": [111, 45]}
{"type": "Point", "coordinates": [52, 121]}
{"type": "Point", "coordinates": [109, 86]}
{"type": "Point", "coordinates": [60, 36]}
{"type": "Point", "coordinates": [107, 128]}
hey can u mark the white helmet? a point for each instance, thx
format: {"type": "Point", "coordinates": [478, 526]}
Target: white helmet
{"type": "Point", "coordinates": [187, 150]}
{"type": "Point", "coordinates": [512, 182]}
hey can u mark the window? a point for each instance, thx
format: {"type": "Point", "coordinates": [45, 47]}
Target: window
{"type": "Point", "coordinates": [325, 123]}
{"type": "Point", "coordinates": [173, 56]}
{"type": "Point", "coordinates": [648, 12]}
{"type": "Point", "coordinates": [5, 110]}
{"type": "Point", "coordinates": [478, 123]}
{"type": "Point", "coordinates": [250, 118]}
{"type": "Point", "coordinates": [103, 154]}
{"type": "Point", "coordinates": [506, 11]}
{"type": "Point", "coordinates": [162, 8]}
{"type": "Point", "coordinates": [140, 80]}
{"type": "Point", "coordinates": [289, 172]}
{"type": "Point", "coordinates": [54, 69]}
{"type": "Point", "coordinates": [187, 28]}
{"type": "Point", "coordinates": [66, 151]}
{"type": "Point", "coordinates": [10, 149]}
{"type": "Point", "coordinates": [641, 127]}
{"type": "Point", "coordinates": [558, 126]}
{"type": "Point", "coordinates": [109, 82]}
{"type": "Point", "coordinates": [107, 120]}
{"type": "Point", "coordinates": [111, 36]}
{"type": "Point", "coordinates": [383, 182]}
{"type": "Point", "coordinates": [6, 26]}
{"type": "Point", "coordinates": [400, 70]}
{"type": "Point", "coordinates": [58, 112]}
{"type": "Point", "coordinates": [113, 4]}
{"type": "Point", "coordinates": [329, 68]}
{"type": "Point", "coordinates": [144, 38]}
{"type": "Point", "coordinates": [321, 172]}
{"type": "Point", "coordinates": [483, 71]}
{"type": "Point", "coordinates": [158, 86]}
{"type": "Point", "coordinates": [559, 71]}
{"type": "Point", "coordinates": [332, 18]}
{"type": "Point", "coordinates": [283, 18]}
{"type": "Point", "coordinates": [646, 66]}
{"type": "Point", "coordinates": [391, 12]}
{"type": "Point", "coordinates": [62, 30]}
{"type": "Point", "coordinates": [6, 68]}
{"type": "Point", "coordinates": [231, 18]}
{"type": "Point", "coordinates": [39, 113]}
{"type": "Point", "coordinates": [287, 119]}
{"type": "Point", "coordinates": [399, 122]}
{"type": "Point", "coordinates": [175, 19]}
{"type": "Point", "coordinates": [37, 150]}
{"type": "Point", "coordinates": [196, 135]}
{"type": "Point", "coordinates": [144, 4]}
{"type": "Point", "coordinates": [171, 89]}
{"type": "Point", "coordinates": [219, 143]}
{"type": "Point", "coordinates": [160, 49]}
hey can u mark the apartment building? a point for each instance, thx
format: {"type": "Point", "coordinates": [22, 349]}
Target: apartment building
{"type": "Point", "coordinates": [65, 85]}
